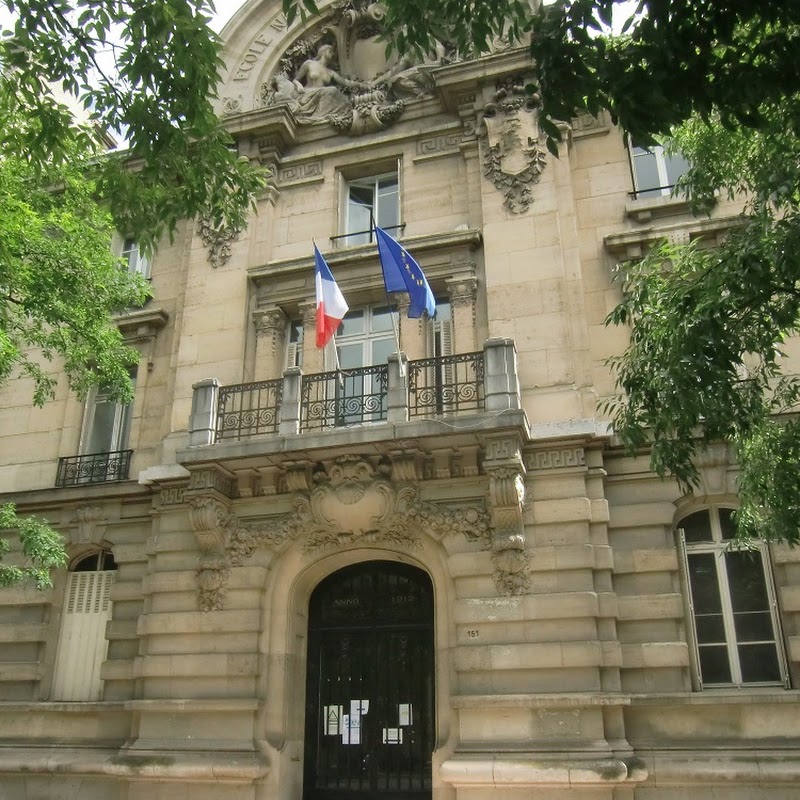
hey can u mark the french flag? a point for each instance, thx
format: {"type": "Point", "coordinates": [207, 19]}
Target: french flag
{"type": "Point", "coordinates": [331, 305]}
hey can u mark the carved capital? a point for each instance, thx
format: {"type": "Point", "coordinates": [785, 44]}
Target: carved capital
{"type": "Point", "coordinates": [270, 322]}
{"type": "Point", "coordinates": [462, 292]}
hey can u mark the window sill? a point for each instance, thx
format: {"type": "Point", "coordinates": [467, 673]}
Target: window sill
{"type": "Point", "coordinates": [646, 209]}
{"type": "Point", "coordinates": [725, 695]}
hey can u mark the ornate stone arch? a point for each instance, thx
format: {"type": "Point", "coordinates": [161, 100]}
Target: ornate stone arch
{"type": "Point", "coordinates": [282, 646]}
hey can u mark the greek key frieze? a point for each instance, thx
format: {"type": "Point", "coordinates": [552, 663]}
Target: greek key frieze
{"type": "Point", "coordinates": [300, 172]}
{"type": "Point", "coordinates": [439, 145]}
{"type": "Point", "coordinates": [562, 458]}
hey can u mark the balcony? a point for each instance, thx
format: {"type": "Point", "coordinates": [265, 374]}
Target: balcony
{"type": "Point", "coordinates": [369, 397]}
{"type": "Point", "coordinates": [94, 468]}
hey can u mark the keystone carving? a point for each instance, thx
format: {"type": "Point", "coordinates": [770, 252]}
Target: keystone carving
{"type": "Point", "coordinates": [512, 158]}
{"type": "Point", "coordinates": [92, 524]}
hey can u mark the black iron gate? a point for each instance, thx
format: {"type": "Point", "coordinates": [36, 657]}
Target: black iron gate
{"type": "Point", "coordinates": [369, 691]}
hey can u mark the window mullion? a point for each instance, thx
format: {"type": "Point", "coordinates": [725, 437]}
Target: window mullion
{"type": "Point", "coordinates": [727, 616]}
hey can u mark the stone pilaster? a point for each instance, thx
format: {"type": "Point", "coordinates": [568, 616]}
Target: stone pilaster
{"type": "Point", "coordinates": [270, 325]}
{"type": "Point", "coordinates": [463, 293]}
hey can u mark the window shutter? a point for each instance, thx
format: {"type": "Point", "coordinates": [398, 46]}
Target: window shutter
{"type": "Point", "coordinates": [292, 354]}
{"type": "Point", "coordinates": [82, 645]}
{"type": "Point", "coordinates": [687, 591]}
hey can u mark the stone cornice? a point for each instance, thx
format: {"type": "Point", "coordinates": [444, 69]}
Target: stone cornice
{"type": "Point", "coordinates": [632, 244]}
{"type": "Point", "coordinates": [455, 79]}
{"type": "Point", "coordinates": [420, 245]}
{"type": "Point", "coordinates": [141, 324]}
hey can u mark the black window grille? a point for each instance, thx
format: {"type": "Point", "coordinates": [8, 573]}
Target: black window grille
{"type": "Point", "coordinates": [94, 468]}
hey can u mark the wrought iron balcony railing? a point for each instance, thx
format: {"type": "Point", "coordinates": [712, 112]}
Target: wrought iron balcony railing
{"type": "Point", "coordinates": [94, 468]}
{"type": "Point", "coordinates": [248, 409]}
{"type": "Point", "coordinates": [397, 392]}
{"type": "Point", "coordinates": [445, 385]}
{"type": "Point", "coordinates": [346, 397]}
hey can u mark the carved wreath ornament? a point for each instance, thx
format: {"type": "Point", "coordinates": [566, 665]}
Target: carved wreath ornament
{"type": "Point", "coordinates": [352, 504]}
{"type": "Point", "coordinates": [512, 159]}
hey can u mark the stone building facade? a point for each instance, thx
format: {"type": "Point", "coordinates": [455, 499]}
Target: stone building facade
{"type": "Point", "coordinates": [433, 573]}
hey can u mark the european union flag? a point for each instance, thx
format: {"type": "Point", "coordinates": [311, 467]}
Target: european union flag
{"type": "Point", "coordinates": [401, 273]}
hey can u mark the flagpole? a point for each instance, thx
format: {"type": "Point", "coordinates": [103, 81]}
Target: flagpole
{"type": "Point", "coordinates": [389, 305]}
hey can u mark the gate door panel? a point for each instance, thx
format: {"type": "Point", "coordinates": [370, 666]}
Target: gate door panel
{"type": "Point", "coordinates": [369, 691]}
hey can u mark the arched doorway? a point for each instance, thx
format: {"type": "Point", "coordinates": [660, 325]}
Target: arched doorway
{"type": "Point", "coordinates": [369, 691]}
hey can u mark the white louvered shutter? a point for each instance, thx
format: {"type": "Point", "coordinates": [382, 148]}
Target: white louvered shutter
{"type": "Point", "coordinates": [82, 645]}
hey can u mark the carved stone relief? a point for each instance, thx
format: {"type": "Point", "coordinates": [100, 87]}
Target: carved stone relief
{"type": "Point", "coordinates": [342, 76]}
{"type": "Point", "coordinates": [92, 525]}
{"type": "Point", "coordinates": [354, 502]}
{"type": "Point", "coordinates": [213, 524]}
{"type": "Point", "coordinates": [217, 241]}
{"type": "Point", "coordinates": [513, 159]}
{"type": "Point", "coordinates": [504, 465]}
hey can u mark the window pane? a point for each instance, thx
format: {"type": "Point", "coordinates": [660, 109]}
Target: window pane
{"type": "Point", "coordinates": [697, 527]}
{"type": "Point", "coordinates": [381, 350]}
{"type": "Point", "coordinates": [754, 626]}
{"type": "Point", "coordinates": [381, 320]}
{"type": "Point", "coordinates": [352, 324]}
{"type": "Point", "coordinates": [710, 628]}
{"type": "Point", "coordinates": [443, 312]}
{"type": "Point", "coordinates": [101, 438]}
{"type": "Point", "coordinates": [746, 579]}
{"type": "Point", "coordinates": [714, 664]}
{"type": "Point", "coordinates": [759, 662]}
{"type": "Point", "coordinates": [676, 165]}
{"type": "Point", "coordinates": [703, 580]}
{"type": "Point", "coordinates": [388, 208]}
{"type": "Point", "coordinates": [295, 331]}
{"type": "Point", "coordinates": [726, 523]}
{"type": "Point", "coordinates": [351, 356]}
{"type": "Point", "coordinates": [645, 168]}
{"type": "Point", "coordinates": [360, 208]}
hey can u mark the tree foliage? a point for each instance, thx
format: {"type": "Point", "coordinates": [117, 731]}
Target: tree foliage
{"type": "Point", "coordinates": [41, 549]}
{"type": "Point", "coordinates": [147, 71]}
{"type": "Point", "coordinates": [709, 326]}
{"type": "Point", "coordinates": [59, 281]}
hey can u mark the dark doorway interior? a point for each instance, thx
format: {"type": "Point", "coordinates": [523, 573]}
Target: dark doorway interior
{"type": "Point", "coordinates": [369, 691]}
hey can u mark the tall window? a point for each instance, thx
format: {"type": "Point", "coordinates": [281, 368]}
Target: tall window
{"type": "Point", "coordinates": [654, 171]}
{"type": "Point", "coordinates": [366, 337]}
{"type": "Point", "coordinates": [133, 257]}
{"type": "Point", "coordinates": [294, 344]}
{"type": "Point", "coordinates": [107, 424]}
{"type": "Point", "coordinates": [368, 202]}
{"type": "Point", "coordinates": [82, 644]}
{"type": "Point", "coordinates": [732, 603]}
